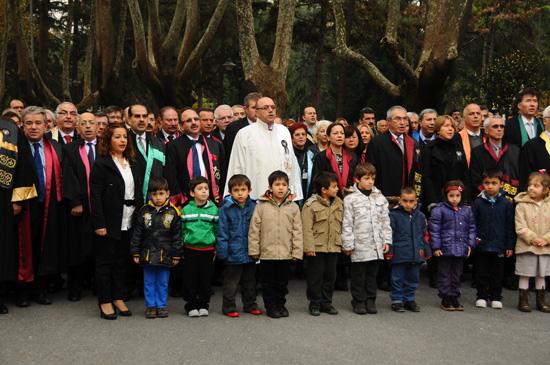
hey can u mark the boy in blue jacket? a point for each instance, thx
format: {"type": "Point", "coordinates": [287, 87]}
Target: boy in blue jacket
{"type": "Point", "coordinates": [232, 247]}
{"type": "Point", "coordinates": [496, 238]}
{"type": "Point", "coordinates": [408, 251]}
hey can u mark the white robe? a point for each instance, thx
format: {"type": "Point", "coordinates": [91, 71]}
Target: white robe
{"type": "Point", "coordinates": [258, 151]}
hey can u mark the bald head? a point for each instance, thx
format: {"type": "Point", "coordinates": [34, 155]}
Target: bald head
{"type": "Point", "coordinates": [472, 117]}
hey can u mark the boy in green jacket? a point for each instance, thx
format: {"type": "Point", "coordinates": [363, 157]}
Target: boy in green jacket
{"type": "Point", "coordinates": [199, 226]}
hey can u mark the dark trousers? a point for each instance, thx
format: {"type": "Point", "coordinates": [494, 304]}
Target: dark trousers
{"type": "Point", "coordinates": [155, 285]}
{"type": "Point", "coordinates": [449, 270]}
{"type": "Point", "coordinates": [274, 278]}
{"type": "Point", "coordinates": [321, 276]}
{"type": "Point", "coordinates": [404, 282]}
{"type": "Point", "coordinates": [79, 275]}
{"type": "Point", "coordinates": [198, 268]}
{"type": "Point", "coordinates": [363, 281]}
{"type": "Point", "coordinates": [245, 275]}
{"type": "Point", "coordinates": [489, 269]}
{"type": "Point", "coordinates": [111, 262]}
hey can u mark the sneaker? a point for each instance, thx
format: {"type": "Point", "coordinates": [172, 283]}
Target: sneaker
{"type": "Point", "coordinates": [456, 305]}
{"type": "Point", "coordinates": [233, 314]}
{"type": "Point", "coordinates": [193, 313]}
{"type": "Point", "coordinates": [256, 312]}
{"type": "Point", "coordinates": [329, 309]}
{"type": "Point", "coordinates": [397, 307]}
{"type": "Point", "coordinates": [446, 305]}
{"type": "Point", "coordinates": [162, 312]}
{"type": "Point", "coordinates": [496, 304]}
{"type": "Point", "coordinates": [481, 303]}
{"type": "Point", "coordinates": [411, 306]}
{"type": "Point", "coordinates": [284, 311]}
{"type": "Point", "coordinates": [314, 311]}
{"type": "Point", "coordinates": [203, 312]}
{"type": "Point", "coordinates": [151, 313]}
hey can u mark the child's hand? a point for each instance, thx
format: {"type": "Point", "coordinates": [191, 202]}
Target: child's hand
{"type": "Point", "coordinates": [421, 251]}
{"type": "Point", "coordinates": [294, 259]}
{"type": "Point", "coordinates": [386, 248]}
{"type": "Point", "coordinates": [136, 259]}
{"type": "Point", "coordinates": [255, 257]}
{"type": "Point", "coordinates": [509, 253]}
{"type": "Point", "coordinates": [469, 251]}
{"type": "Point", "coordinates": [540, 242]}
{"type": "Point", "coordinates": [101, 232]}
{"type": "Point", "coordinates": [347, 252]}
{"type": "Point", "coordinates": [311, 254]}
{"type": "Point", "coordinates": [438, 253]}
{"type": "Point", "coordinates": [175, 262]}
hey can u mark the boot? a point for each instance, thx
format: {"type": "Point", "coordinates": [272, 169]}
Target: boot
{"type": "Point", "coordinates": [523, 303]}
{"type": "Point", "coordinates": [541, 304]}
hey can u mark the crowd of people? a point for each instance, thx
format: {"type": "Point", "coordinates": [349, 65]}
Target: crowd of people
{"type": "Point", "coordinates": [124, 201]}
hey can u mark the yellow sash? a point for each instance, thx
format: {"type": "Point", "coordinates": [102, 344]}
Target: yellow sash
{"type": "Point", "coordinates": [546, 139]}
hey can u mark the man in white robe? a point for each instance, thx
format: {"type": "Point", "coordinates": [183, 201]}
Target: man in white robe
{"type": "Point", "coordinates": [264, 147]}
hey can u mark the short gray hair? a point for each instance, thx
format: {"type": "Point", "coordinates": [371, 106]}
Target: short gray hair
{"type": "Point", "coordinates": [395, 107]}
{"type": "Point", "coordinates": [59, 107]}
{"type": "Point", "coordinates": [50, 115]}
{"type": "Point", "coordinates": [32, 110]}
{"type": "Point", "coordinates": [220, 108]}
{"type": "Point", "coordinates": [319, 125]}
{"type": "Point", "coordinates": [412, 114]}
{"type": "Point", "coordinates": [489, 120]}
{"type": "Point", "coordinates": [426, 111]}
{"type": "Point", "coordinates": [546, 112]}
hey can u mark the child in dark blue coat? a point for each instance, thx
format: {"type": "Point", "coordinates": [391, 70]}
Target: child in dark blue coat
{"type": "Point", "coordinates": [408, 251]}
{"type": "Point", "coordinates": [232, 247]}
{"type": "Point", "coordinates": [452, 230]}
{"type": "Point", "coordinates": [496, 238]}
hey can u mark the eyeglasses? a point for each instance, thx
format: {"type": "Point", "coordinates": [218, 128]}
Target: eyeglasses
{"type": "Point", "coordinates": [267, 107]}
{"type": "Point", "coordinates": [64, 113]}
{"type": "Point", "coordinates": [497, 126]}
{"type": "Point", "coordinates": [400, 119]}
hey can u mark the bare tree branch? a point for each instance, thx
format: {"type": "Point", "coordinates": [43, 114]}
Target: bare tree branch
{"type": "Point", "coordinates": [89, 54]}
{"type": "Point", "coordinates": [190, 34]}
{"type": "Point", "coordinates": [342, 50]}
{"type": "Point", "coordinates": [67, 35]}
{"type": "Point", "coordinates": [175, 27]}
{"type": "Point", "coordinates": [205, 40]}
{"type": "Point", "coordinates": [247, 39]}
{"type": "Point", "coordinates": [105, 42]}
{"type": "Point", "coordinates": [121, 34]}
{"type": "Point", "coordinates": [283, 40]}
{"type": "Point", "coordinates": [155, 44]}
{"type": "Point", "coordinates": [3, 46]}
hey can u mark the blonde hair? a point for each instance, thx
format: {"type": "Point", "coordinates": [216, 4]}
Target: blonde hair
{"type": "Point", "coordinates": [440, 121]}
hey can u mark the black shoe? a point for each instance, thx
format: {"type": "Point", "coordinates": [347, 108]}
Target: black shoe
{"type": "Point", "coordinates": [284, 311]}
{"type": "Point", "coordinates": [3, 309]}
{"type": "Point", "coordinates": [162, 312]}
{"type": "Point", "coordinates": [329, 309]}
{"type": "Point", "coordinates": [43, 299]}
{"type": "Point", "coordinates": [109, 317]}
{"type": "Point", "coordinates": [456, 304]}
{"type": "Point", "coordinates": [446, 305]}
{"type": "Point", "coordinates": [74, 296]}
{"type": "Point", "coordinates": [126, 313]}
{"type": "Point", "coordinates": [433, 283]}
{"type": "Point", "coordinates": [22, 302]}
{"type": "Point", "coordinates": [371, 307]}
{"type": "Point", "coordinates": [273, 313]}
{"type": "Point", "coordinates": [341, 285]}
{"type": "Point", "coordinates": [360, 309]}
{"type": "Point", "coordinates": [384, 286]}
{"type": "Point", "coordinates": [398, 307]}
{"type": "Point", "coordinates": [314, 311]}
{"type": "Point", "coordinates": [411, 306]}
{"type": "Point", "coordinates": [151, 313]}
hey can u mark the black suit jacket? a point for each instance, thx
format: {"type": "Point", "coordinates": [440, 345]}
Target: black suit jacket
{"type": "Point", "coordinates": [56, 136]}
{"type": "Point", "coordinates": [141, 161]}
{"type": "Point", "coordinates": [75, 181]}
{"type": "Point", "coordinates": [533, 157]}
{"type": "Point", "coordinates": [230, 134]}
{"type": "Point", "coordinates": [512, 131]}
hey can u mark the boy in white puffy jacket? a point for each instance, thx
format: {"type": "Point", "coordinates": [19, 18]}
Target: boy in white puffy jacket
{"type": "Point", "coordinates": [366, 236]}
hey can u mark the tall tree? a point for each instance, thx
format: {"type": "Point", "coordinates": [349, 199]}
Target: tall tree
{"type": "Point", "coordinates": [420, 84]}
{"type": "Point", "coordinates": [270, 78]}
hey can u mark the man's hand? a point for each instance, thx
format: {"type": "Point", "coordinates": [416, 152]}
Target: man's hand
{"type": "Point", "coordinates": [509, 253]}
{"type": "Point", "coordinates": [310, 254]}
{"type": "Point", "coordinates": [136, 259]}
{"type": "Point", "coordinates": [469, 251]}
{"type": "Point", "coordinates": [77, 211]}
{"type": "Point", "coordinates": [255, 257]}
{"type": "Point", "coordinates": [175, 262]}
{"type": "Point", "coordinates": [386, 248]}
{"type": "Point", "coordinates": [16, 208]}
{"type": "Point", "coordinates": [438, 253]}
{"type": "Point", "coordinates": [101, 232]}
{"type": "Point", "coordinates": [347, 252]}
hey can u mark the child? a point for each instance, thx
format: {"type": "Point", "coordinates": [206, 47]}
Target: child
{"type": "Point", "coordinates": [494, 215]}
{"type": "Point", "coordinates": [408, 251]}
{"type": "Point", "coordinates": [533, 239]}
{"type": "Point", "coordinates": [366, 236]}
{"type": "Point", "coordinates": [232, 247]}
{"type": "Point", "coordinates": [156, 243]}
{"type": "Point", "coordinates": [452, 230]}
{"type": "Point", "coordinates": [322, 228]}
{"type": "Point", "coordinates": [275, 237]}
{"type": "Point", "coordinates": [199, 222]}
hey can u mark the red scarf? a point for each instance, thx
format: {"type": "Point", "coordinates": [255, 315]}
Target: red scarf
{"type": "Point", "coordinates": [52, 163]}
{"type": "Point", "coordinates": [86, 163]}
{"type": "Point", "coordinates": [346, 159]}
{"type": "Point", "coordinates": [212, 179]}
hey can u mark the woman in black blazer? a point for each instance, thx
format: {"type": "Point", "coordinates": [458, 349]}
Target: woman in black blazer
{"type": "Point", "coordinates": [115, 189]}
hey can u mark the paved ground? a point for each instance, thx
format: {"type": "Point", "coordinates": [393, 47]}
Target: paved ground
{"type": "Point", "coordinates": [72, 333]}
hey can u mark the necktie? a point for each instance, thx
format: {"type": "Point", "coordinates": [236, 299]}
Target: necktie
{"type": "Point", "coordinates": [196, 163]}
{"type": "Point", "coordinates": [68, 138]}
{"type": "Point", "coordinates": [400, 141]}
{"type": "Point", "coordinates": [530, 130]}
{"type": "Point", "coordinates": [170, 137]}
{"type": "Point", "coordinates": [142, 144]}
{"type": "Point", "coordinates": [91, 157]}
{"type": "Point", "coordinates": [40, 172]}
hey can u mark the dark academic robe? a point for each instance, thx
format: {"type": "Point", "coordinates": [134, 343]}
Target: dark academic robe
{"type": "Point", "coordinates": [164, 140]}
{"type": "Point", "coordinates": [47, 219]}
{"type": "Point", "coordinates": [157, 158]}
{"type": "Point", "coordinates": [394, 170]}
{"type": "Point", "coordinates": [484, 158]}
{"type": "Point", "coordinates": [16, 186]}
{"type": "Point", "coordinates": [515, 133]}
{"type": "Point", "coordinates": [533, 157]}
{"type": "Point", "coordinates": [178, 169]}
{"type": "Point", "coordinates": [76, 191]}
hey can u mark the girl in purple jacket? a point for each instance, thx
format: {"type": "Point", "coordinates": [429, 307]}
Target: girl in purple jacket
{"type": "Point", "coordinates": [453, 236]}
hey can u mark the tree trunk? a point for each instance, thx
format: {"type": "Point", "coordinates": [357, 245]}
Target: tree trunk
{"type": "Point", "coordinates": [67, 36]}
{"type": "Point", "coordinates": [43, 39]}
{"type": "Point", "coordinates": [319, 58]}
{"type": "Point", "coordinates": [3, 46]}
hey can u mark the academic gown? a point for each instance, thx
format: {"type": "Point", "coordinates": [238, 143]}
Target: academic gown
{"type": "Point", "coordinates": [76, 191]}
{"type": "Point", "coordinates": [533, 157]}
{"type": "Point", "coordinates": [14, 146]}
{"type": "Point", "coordinates": [258, 151]}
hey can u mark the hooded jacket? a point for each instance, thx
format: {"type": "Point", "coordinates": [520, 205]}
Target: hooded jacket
{"type": "Point", "coordinates": [409, 232]}
{"type": "Point", "coordinates": [322, 224]}
{"type": "Point", "coordinates": [495, 223]}
{"type": "Point", "coordinates": [452, 230]}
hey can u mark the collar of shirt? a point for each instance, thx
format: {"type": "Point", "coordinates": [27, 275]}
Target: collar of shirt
{"type": "Point", "coordinates": [527, 121]}
{"type": "Point", "coordinates": [143, 135]}
{"type": "Point", "coordinates": [166, 135]}
{"type": "Point", "coordinates": [395, 135]}
{"type": "Point", "coordinates": [424, 138]}
{"type": "Point", "coordinates": [193, 139]}
{"type": "Point", "coordinates": [249, 121]}
{"type": "Point", "coordinates": [264, 125]}
{"type": "Point", "coordinates": [472, 134]}
{"type": "Point", "coordinates": [41, 142]}
{"type": "Point", "coordinates": [63, 134]}
{"type": "Point", "coordinates": [93, 142]}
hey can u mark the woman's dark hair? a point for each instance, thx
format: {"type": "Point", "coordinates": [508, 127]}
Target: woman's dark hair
{"type": "Point", "coordinates": [331, 127]}
{"type": "Point", "coordinates": [105, 147]}
{"type": "Point", "coordinates": [453, 185]}
{"type": "Point", "coordinates": [348, 132]}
